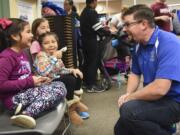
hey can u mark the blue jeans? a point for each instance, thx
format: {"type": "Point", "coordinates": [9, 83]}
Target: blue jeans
{"type": "Point", "coordinates": [139, 117]}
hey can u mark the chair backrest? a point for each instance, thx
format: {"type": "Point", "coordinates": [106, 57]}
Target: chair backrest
{"type": "Point", "coordinates": [64, 27]}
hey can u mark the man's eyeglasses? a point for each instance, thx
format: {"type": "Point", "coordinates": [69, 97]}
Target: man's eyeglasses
{"type": "Point", "coordinates": [131, 23]}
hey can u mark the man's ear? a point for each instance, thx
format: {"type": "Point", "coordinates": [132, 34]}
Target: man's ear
{"type": "Point", "coordinates": [15, 37]}
{"type": "Point", "coordinates": [145, 24]}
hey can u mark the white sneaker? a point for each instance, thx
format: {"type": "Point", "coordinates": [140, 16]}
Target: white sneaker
{"type": "Point", "coordinates": [18, 109]}
{"type": "Point", "coordinates": [23, 121]}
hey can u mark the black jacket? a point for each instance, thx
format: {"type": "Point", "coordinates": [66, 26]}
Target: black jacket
{"type": "Point", "coordinates": [90, 25]}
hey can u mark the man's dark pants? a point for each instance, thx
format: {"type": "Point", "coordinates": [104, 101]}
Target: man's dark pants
{"type": "Point", "coordinates": [139, 117]}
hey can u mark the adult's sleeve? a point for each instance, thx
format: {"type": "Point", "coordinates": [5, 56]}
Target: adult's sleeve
{"type": "Point", "coordinates": [7, 85]}
{"type": "Point", "coordinates": [169, 61]}
{"type": "Point", "coordinates": [97, 25]}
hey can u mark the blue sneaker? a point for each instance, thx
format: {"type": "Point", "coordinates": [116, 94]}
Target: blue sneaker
{"type": "Point", "coordinates": [173, 129]}
{"type": "Point", "coordinates": [84, 115]}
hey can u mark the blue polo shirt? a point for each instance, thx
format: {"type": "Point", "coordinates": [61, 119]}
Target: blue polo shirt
{"type": "Point", "coordinates": [159, 59]}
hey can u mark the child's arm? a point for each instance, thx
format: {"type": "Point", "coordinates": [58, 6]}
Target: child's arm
{"type": "Point", "coordinates": [7, 85]}
{"type": "Point", "coordinates": [58, 53]}
{"type": "Point", "coordinates": [64, 71]}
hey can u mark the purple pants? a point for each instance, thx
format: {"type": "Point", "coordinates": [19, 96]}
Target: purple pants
{"type": "Point", "coordinates": [39, 99]}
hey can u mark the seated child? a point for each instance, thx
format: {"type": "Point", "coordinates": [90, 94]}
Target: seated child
{"type": "Point", "coordinates": [48, 63]}
{"type": "Point", "coordinates": [39, 27]}
{"type": "Point", "coordinates": [25, 95]}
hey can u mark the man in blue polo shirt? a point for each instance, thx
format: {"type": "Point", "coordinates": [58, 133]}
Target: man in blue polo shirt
{"type": "Point", "coordinates": [152, 109]}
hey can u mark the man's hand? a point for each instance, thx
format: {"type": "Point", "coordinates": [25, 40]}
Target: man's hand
{"type": "Point", "coordinates": [122, 99]}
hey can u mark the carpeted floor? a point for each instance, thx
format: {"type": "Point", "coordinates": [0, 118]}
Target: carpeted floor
{"type": "Point", "coordinates": [103, 111]}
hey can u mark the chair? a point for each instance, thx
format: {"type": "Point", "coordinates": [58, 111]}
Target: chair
{"type": "Point", "coordinates": [47, 124]}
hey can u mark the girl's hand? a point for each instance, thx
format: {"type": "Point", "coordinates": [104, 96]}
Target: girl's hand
{"type": "Point", "coordinates": [77, 72]}
{"type": "Point", "coordinates": [39, 80]}
{"type": "Point", "coordinates": [58, 54]}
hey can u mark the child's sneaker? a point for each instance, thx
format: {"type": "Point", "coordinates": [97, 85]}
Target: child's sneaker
{"type": "Point", "coordinates": [23, 121]}
{"type": "Point", "coordinates": [18, 109]}
{"type": "Point", "coordinates": [84, 115]}
{"type": "Point", "coordinates": [173, 129]}
{"type": "Point", "coordinates": [81, 107]}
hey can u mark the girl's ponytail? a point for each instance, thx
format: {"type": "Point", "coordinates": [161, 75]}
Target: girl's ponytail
{"type": "Point", "coordinates": [4, 24]}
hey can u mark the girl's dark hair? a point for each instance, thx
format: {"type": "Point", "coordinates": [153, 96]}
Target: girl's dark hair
{"type": "Point", "coordinates": [74, 8]}
{"type": "Point", "coordinates": [89, 2]}
{"type": "Point", "coordinates": [36, 24]}
{"type": "Point", "coordinates": [71, 3]}
{"type": "Point", "coordinates": [15, 28]}
{"type": "Point", "coordinates": [41, 37]}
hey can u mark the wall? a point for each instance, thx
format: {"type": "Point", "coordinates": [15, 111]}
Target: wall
{"type": "Point", "coordinates": [35, 8]}
{"type": "Point", "coordinates": [109, 8]}
{"type": "Point", "coordinates": [4, 8]}
{"type": "Point", "coordinates": [149, 2]}
{"type": "Point", "coordinates": [8, 8]}
{"type": "Point", "coordinates": [115, 6]}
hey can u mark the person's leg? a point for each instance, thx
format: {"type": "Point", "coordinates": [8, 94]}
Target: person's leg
{"type": "Point", "coordinates": [34, 101]}
{"type": "Point", "coordinates": [25, 97]}
{"type": "Point", "coordinates": [90, 65]}
{"type": "Point", "coordinates": [85, 64]}
{"type": "Point", "coordinates": [20, 102]}
{"type": "Point", "coordinates": [121, 129]}
{"type": "Point", "coordinates": [78, 83]}
{"type": "Point", "coordinates": [70, 83]}
{"type": "Point", "coordinates": [51, 95]}
{"type": "Point", "coordinates": [80, 58]}
{"type": "Point", "coordinates": [78, 91]}
{"type": "Point", "coordinates": [147, 118]}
